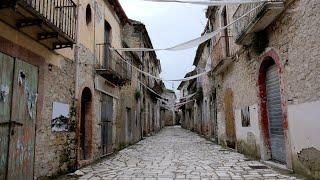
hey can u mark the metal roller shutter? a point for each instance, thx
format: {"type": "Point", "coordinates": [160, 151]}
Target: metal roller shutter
{"type": "Point", "coordinates": [275, 115]}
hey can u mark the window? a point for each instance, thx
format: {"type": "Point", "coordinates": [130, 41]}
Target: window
{"type": "Point", "coordinates": [107, 34]}
{"type": "Point", "coordinates": [245, 116]}
{"type": "Point", "coordinates": [88, 14]}
{"type": "Point", "coordinates": [226, 34]}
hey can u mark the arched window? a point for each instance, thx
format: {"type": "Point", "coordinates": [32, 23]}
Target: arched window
{"type": "Point", "coordinates": [88, 14]}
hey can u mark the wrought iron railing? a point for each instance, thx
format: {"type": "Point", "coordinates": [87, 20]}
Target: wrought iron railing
{"type": "Point", "coordinates": [241, 25]}
{"type": "Point", "coordinates": [60, 14]}
{"type": "Point", "coordinates": [253, 12]}
{"type": "Point", "coordinates": [113, 62]}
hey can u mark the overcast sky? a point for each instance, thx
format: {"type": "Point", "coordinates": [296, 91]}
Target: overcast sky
{"type": "Point", "coordinates": [169, 24]}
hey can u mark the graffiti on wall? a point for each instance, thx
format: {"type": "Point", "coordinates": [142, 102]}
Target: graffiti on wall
{"type": "Point", "coordinates": [60, 117]}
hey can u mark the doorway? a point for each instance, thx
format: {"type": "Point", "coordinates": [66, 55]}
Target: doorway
{"type": "Point", "coordinates": [106, 124]}
{"type": "Point", "coordinates": [18, 112]}
{"type": "Point", "coordinates": [277, 140]}
{"type": "Point", "coordinates": [86, 124]}
{"type": "Point", "coordinates": [230, 121]}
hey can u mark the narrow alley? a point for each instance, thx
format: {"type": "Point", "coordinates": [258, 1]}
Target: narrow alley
{"type": "Point", "coordinates": [176, 153]}
{"type": "Point", "coordinates": [159, 89]}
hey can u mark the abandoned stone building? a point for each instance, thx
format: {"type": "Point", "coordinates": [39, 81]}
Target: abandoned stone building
{"type": "Point", "coordinates": [186, 107]}
{"type": "Point", "coordinates": [264, 87]}
{"type": "Point", "coordinates": [167, 110]}
{"type": "Point", "coordinates": [37, 73]}
{"type": "Point", "coordinates": [151, 89]}
{"type": "Point", "coordinates": [66, 98]}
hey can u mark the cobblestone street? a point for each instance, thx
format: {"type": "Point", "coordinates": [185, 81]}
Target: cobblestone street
{"type": "Point", "coordinates": [176, 153]}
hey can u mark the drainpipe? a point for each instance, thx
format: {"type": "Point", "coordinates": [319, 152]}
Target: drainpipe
{"type": "Point", "coordinates": [76, 58]}
{"type": "Point", "coordinates": [76, 51]}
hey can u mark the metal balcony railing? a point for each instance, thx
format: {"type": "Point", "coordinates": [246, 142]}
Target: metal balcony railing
{"type": "Point", "coordinates": [262, 15]}
{"type": "Point", "coordinates": [111, 66]}
{"type": "Point", "coordinates": [58, 13]}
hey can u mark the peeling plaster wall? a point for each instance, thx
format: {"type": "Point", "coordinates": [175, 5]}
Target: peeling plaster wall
{"type": "Point", "coordinates": [304, 134]}
{"type": "Point", "coordinates": [128, 100]}
{"type": "Point", "coordinates": [249, 138]}
{"type": "Point", "coordinates": [54, 152]}
{"type": "Point", "coordinates": [294, 38]}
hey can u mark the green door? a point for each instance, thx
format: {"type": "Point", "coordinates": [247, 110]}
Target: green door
{"type": "Point", "coordinates": [6, 77]}
{"type": "Point", "coordinates": [18, 129]}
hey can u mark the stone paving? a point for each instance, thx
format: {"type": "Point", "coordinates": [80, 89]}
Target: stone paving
{"type": "Point", "coordinates": [176, 153]}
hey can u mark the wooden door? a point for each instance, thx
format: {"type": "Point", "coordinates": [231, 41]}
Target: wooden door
{"type": "Point", "coordinates": [19, 86]}
{"type": "Point", "coordinates": [23, 120]}
{"type": "Point", "coordinates": [106, 124]}
{"type": "Point", "coordinates": [6, 77]}
{"type": "Point", "coordinates": [230, 122]}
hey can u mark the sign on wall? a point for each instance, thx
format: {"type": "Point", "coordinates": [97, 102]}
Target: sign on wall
{"type": "Point", "coordinates": [60, 117]}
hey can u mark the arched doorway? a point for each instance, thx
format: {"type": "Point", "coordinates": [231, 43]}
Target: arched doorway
{"type": "Point", "coordinates": [271, 110]}
{"type": "Point", "coordinates": [86, 124]}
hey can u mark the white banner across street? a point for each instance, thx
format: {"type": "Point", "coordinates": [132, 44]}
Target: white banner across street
{"type": "Point", "coordinates": [212, 3]}
{"type": "Point", "coordinates": [192, 43]}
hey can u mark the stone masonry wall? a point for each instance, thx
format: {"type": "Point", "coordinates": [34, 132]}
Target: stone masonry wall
{"type": "Point", "coordinates": [128, 99]}
{"type": "Point", "coordinates": [294, 37]}
{"type": "Point", "coordinates": [56, 151]}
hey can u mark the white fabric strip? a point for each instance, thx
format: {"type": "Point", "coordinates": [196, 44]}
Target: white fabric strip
{"type": "Point", "coordinates": [158, 78]}
{"type": "Point", "coordinates": [181, 104]}
{"type": "Point", "coordinates": [189, 96]}
{"type": "Point", "coordinates": [192, 43]}
{"type": "Point", "coordinates": [191, 77]}
{"type": "Point", "coordinates": [212, 3]}
{"type": "Point", "coordinates": [152, 90]}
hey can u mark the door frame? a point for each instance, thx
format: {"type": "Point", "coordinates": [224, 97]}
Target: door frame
{"type": "Point", "coordinates": [269, 57]}
{"type": "Point", "coordinates": [81, 162]}
{"type": "Point", "coordinates": [16, 51]}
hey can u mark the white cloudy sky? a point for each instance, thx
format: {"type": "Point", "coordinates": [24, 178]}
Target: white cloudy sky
{"type": "Point", "coordinates": [169, 24]}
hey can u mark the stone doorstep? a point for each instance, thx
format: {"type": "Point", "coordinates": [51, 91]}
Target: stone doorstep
{"type": "Point", "coordinates": [278, 166]}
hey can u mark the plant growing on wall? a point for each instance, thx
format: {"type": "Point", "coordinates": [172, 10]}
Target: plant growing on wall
{"type": "Point", "coordinates": [138, 94]}
{"type": "Point", "coordinates": [200, 93]}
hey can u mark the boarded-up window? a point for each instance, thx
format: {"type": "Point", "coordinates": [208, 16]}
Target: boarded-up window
{"type": "Point", "coordinates": [245, 116]}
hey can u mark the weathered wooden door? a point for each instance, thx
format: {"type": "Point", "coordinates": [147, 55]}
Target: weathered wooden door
{"type": "Point", "coordinates": [106, 124]}
{"type": "Point", "coordinates": [277, 141]}
{"type": "Point", "coordinates": [230, 121]}
{"type": "Point", "coordinates": [128, 125]}
{"type": "Point", "coordinates": [6, 77]}
{"type": "Point", "coordinates": [19, 81]}
{"type": "Point", "coordinates": [213, 109]}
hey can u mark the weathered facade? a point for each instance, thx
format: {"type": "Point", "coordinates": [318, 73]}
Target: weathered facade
{"type": "Point", "coordinates": [37, 77]}
{"type": "Point", "coordinates": [150, 88]}
{"type": "Point", "coordinates": [66, 99]}
{"type": "Point", "coordinates": [130, 129]}
{"type": "Point", "coordinates": [101, 73]}
{"type": "Point", "coordinates": [167, 110]}
{"type": "Point", "coordinates": [265, 80]}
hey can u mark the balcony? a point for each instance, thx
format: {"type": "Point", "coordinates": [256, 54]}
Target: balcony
{"type": "Point", "coordinates": [49, 22]}
{"type": "Point", "coordinates": [111, 67]}
{"type": "Point", "coordinates": [255, 21]}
